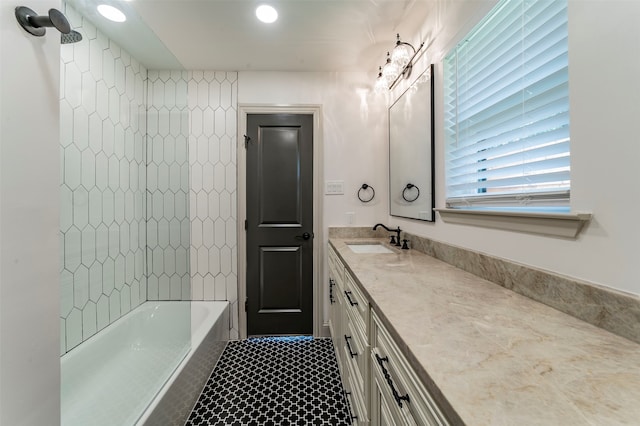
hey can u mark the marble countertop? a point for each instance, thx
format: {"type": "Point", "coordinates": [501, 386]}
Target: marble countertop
{"type": "Point", "coordinates": [496, 357]}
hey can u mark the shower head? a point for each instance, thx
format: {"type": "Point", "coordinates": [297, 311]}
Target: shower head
{"type": "Point", "coordinates": [71, 37]}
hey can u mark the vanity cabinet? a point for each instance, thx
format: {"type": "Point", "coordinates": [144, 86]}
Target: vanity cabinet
{"type": "Point", "coordinates": [380, 385]}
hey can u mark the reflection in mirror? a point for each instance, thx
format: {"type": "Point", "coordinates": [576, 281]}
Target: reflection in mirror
{"type": "Point", "coordinates": [411, 137]}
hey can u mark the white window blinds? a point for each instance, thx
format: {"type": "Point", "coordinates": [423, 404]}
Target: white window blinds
{"type": "Point", "coordinates": [507, 109]}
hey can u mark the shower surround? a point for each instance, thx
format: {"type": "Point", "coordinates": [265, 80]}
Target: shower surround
{"type": "Point", "coordinates": [103, 109]}
{"type": "Point", "coordinates": [148, 185]}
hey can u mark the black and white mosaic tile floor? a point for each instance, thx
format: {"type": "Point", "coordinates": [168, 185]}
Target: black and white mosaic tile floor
{"type": "Point", "coordinates": [274, 381]}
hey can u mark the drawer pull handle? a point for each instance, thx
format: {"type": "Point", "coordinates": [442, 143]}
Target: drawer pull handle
{"type": "Point", "coordinates": [351, 353]}
{"type": "Point", "coordinates": [331, 284]}
{"type": "Point", "coordinates": [351, 302]}
{"type": "Point", "coordinates": [399, 398]}
{"type": "Point", "coordinates": [346, 396]}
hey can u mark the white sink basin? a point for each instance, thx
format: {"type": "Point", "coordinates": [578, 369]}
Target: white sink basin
{"type": "Point", "coordinates": [369, 248]}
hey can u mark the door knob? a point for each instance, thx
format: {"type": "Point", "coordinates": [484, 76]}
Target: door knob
{"type": "Point", "coordinates": [304, 236]}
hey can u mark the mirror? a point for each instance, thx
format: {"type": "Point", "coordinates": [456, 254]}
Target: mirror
{"type": "Point", "coordinates": [411, 138]}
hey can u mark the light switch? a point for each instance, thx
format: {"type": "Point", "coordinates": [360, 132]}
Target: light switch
{"type": "Point", "coordinates": [334, 187]}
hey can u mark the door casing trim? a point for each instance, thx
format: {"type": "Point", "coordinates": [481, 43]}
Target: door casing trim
{"type": "Point", "coordinates": [318, 167]}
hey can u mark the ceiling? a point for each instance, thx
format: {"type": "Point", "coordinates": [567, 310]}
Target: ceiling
{"type": "Point", "coordinates": [224, 35]}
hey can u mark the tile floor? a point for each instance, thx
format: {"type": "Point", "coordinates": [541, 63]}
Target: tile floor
{"type": "Point", "coordinates": [274, 381]}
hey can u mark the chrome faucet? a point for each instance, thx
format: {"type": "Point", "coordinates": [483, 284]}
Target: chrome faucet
{"type": "Point", "coordinates": [395, 239]}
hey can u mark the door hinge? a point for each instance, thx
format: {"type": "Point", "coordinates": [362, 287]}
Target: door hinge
{"type": "Point", "coordinates": [246, 141]}
{"type": "Point", "coordinates": [246, 304]}
{"type": "Point", "coordinates": [246, 224]}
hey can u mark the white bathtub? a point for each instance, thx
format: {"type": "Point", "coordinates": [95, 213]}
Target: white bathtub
{"type": "Point", "coordinates": [141, 370]}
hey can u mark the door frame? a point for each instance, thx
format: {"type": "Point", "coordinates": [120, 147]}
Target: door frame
{"type": "Point", "coordinates": [318, 167]}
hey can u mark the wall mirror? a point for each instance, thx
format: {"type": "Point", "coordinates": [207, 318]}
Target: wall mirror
{"type": "Point", "coordinates": [411, 136]}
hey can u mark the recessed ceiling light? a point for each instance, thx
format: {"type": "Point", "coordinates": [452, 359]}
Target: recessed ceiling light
{"type": "Point", "coordinates": [111, 13]}
{"type": "Point", "coordinates": [266, 13]}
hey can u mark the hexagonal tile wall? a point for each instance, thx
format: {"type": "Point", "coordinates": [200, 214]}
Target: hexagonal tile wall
{"type": "Point", "coordinates": [148, 185]}
{"type": "Point", "coordinates": [168, 223]}
{"type": "Point", "coordinates": [212, 159]}
{"type": "Point", "coordinates": [103, 181]}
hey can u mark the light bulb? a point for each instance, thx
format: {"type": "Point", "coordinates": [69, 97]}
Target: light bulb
{"type": "Point", "coordinates": [381, 85]}
{"type": "Point", "coordinates": [390, 69]}
{"type": "Point", "coordinates": [401, 55]}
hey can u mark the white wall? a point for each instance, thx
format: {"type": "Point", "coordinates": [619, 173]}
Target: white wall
{"type": "Point", "coordinates": [604, 86]}
{"type": "Point", "coordinates": [29, 222]}
{"type": "Point", "coordinates": [354, 121]}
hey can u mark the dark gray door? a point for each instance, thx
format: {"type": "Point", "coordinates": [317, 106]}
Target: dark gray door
{"type": "Point", "coordinates": [279, 224]}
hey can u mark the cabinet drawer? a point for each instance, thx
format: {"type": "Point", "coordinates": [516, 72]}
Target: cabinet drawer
{"type": "Point", "coordinates": [409, 395]}
{"type": "Point", "coordinates": [356, 355]}
{"type": "Point", "coordinates": [357, 305]}
{"type": "Point", "coordinates": [356, 401]}
{"type": "Point", "coordinates": [336, 268]}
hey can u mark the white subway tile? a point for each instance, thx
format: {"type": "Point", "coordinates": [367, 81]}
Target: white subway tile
{"type": "Point", "coordinates": [66, 208]}
{"type": "Point", "coordinates": [125, 300]}
{"type": "Point", "coordinates": [203, 260]}
{"type": "Point", "coordinates": [114, 306]}
{"type": "Point", "coordinates": [220, 287]}
{"type": "Point", "coordinates": [102, 311]}
{"type": "Point", "coordinates": [157, 257]}
{"type": "Point", "coordinates": [176, 288]}
{"type": "Point", "coordinates": [88, 92]}
{"type": "Point", "coordinates": [197, 287]}
{"type": "Point", "coordinates": [73, 326]}
{"type": "Point", "coordinates": [207, 177]}
{"type": "Point", "coordinates": [163, 233]}
{"type": "Point", "coordinates": [72, 249]}
{"type": "Point", "coordinates": [225, 204]}
{"type": "Point", "coordinates": [95, 281]}
{"type": "Point", "coordinates": [209, 287]}
{"type": "Point", "coordinates": [81, 54]}
{"type": "Point", "coordinates": [207, 232]}
{"type": "Point", "coordinates": [218, 177]}
{"type": "Point", "coordinates": [119, 77]}
{"type": "Point", "coordinates": [66, 293]}
{"type": "Point", "coordinates": [219, 233]}
{"type": "Point", "coordinates": [108, 67]}
{"type": "Point", "coordinates": [214, 260]}
{"type": "Point", "coordinates": [225, 260]}
{"type": "Point", "coordinates": [88, 238]}
{"type": "Point", "coordinates": [89, 320]}
{"type": "Point", "coordinates": [108, 276]}
{"type": "Point", "coordinates": [164, 288]}
{"type": "Point", "coordinates": [71, 167]}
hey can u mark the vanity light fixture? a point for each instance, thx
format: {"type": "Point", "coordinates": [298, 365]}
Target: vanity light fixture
{"type": "Point", "coordinates": [111, 13]}
{"type": "Point", "coordinates": [399, 64]}
{"type": "Point", "coordinates": [267, 14]}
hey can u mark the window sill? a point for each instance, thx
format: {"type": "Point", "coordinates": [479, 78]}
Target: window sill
{"type": "Point", "coordinates": [565, 225]}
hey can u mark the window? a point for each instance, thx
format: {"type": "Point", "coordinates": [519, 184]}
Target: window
{"type": "Point", "coordinates": [507, 110]}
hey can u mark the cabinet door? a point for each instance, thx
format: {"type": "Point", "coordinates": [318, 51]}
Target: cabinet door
{"type": "Point", "coordinates": [383, 412]}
